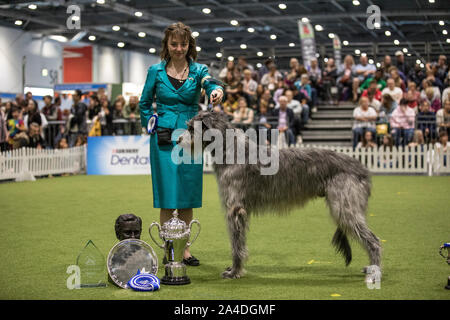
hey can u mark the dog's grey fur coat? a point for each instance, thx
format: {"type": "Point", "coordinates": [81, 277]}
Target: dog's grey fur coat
{"type": "Point", "coordinates": [303, 174]}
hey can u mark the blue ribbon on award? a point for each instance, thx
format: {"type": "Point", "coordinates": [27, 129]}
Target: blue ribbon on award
{"type": "Point", "coordinates": [152, 124]}
{"type": "Point", "coordinates": [143, 281]}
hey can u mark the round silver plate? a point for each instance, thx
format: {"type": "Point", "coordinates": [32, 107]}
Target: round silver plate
{"type": "Point", "coordinates": [126, 257]}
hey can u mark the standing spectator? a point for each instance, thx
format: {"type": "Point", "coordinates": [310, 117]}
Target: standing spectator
{"type": "Point", "coordinates": [401, 65]}
{"type": "Point", "coordinates": [34, 115]}
{"type": "Point", "coordinates": [35, 139]}
{"type": "Point", "coordinates": [28, 97]}
{"type": "Point", "coordinates": [364, 120]}
{"type": "Point", "coordinates": [395, 92]}
{"type": "Point", "coordinates": [17, 136]}
{"type": "Point", "coordinates": [402, 123]}
{"type": "Point", "coordinates": [426, 121]}
{"type": "Point", "coordinates": [417, 139]}
{"type": "Point", "coordinates": [118, 115]}
{"type": "Point", "coordinates": [363, 71]}
{"type": "Point", "coordinates": [132, 114]}
{"type": "Point", "coordinates": [442, 68]}
{"type": "Point", "coordinates": [94, 107]}
{"type": "Point", "coordinates": [3, 131]}
{"type": "Point", "coordinates": [50, 111]}
{"type": "Point", "coordinates": [443, 117]}
{"type": "Point", "coordinates": [388, 105]}
{"type": "Point", "coordinates": [106, 116]}
{"type": "Point", "coordinates": [77, 120]}
{"type": "Point", "coordinates": [442, 144]}
{"type": "Point", "coordinates": [285, 116]}
{"type": "Point", "coordinates": [412, 96]}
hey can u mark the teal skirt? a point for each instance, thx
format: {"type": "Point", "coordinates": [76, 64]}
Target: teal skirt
{"type": "Point", "coordinates": [175, 185]}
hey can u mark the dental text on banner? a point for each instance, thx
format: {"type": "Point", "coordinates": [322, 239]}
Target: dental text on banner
{"type": "Point", "coordinates": [308, 42]}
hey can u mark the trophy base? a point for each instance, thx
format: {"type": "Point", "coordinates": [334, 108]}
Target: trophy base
{"type": "Point", "coordinates": [175, 281]}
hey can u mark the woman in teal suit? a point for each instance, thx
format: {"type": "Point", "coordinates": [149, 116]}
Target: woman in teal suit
{"type": "Point", "coordinates": [176, 82]}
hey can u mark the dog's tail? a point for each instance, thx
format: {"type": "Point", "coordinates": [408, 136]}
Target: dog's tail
{"type": "Point", "coordinates": [342, 245]}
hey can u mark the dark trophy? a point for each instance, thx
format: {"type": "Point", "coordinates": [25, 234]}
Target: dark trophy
{"type": "Point", "coordinates": [175, 234]}
{"type": "Point", "coordinates": [92, 267]}
{"type": "Point", "coordinates": [446, 246]}
{"type": "Point", "coordinates": [131, 254]}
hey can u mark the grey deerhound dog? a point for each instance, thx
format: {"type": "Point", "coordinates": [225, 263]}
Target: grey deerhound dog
{"type": "Point", "coordinates": [303, 174]}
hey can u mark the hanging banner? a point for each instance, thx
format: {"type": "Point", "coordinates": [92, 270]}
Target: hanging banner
{"type": "Point", "coordinates": [306, 32]}
{"type": "Point", "coordinates": [337, 50]}
{"type": "Point", "coordinates": [77, 64]}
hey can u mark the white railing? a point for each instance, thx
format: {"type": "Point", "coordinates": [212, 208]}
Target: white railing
{"type": "Point", "coordinates": [25, 163]}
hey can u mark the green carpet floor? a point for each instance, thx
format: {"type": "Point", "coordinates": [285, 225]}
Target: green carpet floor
{"type": "Point", "coordinates": [45, 224]}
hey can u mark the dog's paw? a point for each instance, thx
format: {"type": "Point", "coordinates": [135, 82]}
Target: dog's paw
{"type": "Point", "coordinates": [373, 274]}
{"type": "Point", "coordinates": [230, 273]}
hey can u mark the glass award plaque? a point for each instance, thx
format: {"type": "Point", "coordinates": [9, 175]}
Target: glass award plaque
{"type": "Point", "coordinates": [92, 267]}
{"type": "Point", "coordinates": [127, 257]}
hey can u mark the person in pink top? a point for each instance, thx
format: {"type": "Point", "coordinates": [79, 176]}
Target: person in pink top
{"type": "Point", "coordinates": [402, 123]}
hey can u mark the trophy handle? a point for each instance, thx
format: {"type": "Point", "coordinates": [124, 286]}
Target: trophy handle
{"type": "Point", "coordinates": [190, 227]}
{"type": "Point", "coordinates": [159, 231]}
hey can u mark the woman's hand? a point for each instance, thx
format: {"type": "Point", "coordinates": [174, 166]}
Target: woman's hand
{"type": "Point", "coordinates": [216, 96]}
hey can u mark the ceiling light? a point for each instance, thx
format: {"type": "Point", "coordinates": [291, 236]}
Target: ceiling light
{"type": "Point", "coordinates": [377, 25]}
{"type": "Point", "coordinates": [331, 35]}
{"type": "Point", "coordinates": [405, 50]}
{"type": "Point", "coordinates": [357, 51]}
{"type": "Point", "coordinates": [116, 28]}
{"type": "Point", "coordinates": [198, 49]}
{"type": "Point", "coordinates": [291, 44]}
{"type": "Point", "coordinates": [387, 33]}
{"type": "Point", "coordinates": [422, 65]}
{"type": "Point", "coordinates": [396, 42]}
{"type": "Point", "coordinates": [138, 14]}
{"type": "Point", "coordinates": [219, 39]}
{"type": "Point", "coordinates": [195, 34]}
{"type": "Point", "coordinates": [345, 43]}
{"type": "Point", "coordinates": [305, 20]}
{"type": "Point", "coordinates": [378, 64]}
{"type": "Point", "coordinates": [251, 30]}
{"type": "Point", "coordinates": [44, 72]}
{"type": "Point", "coordinates": [325, 60]}
{"type": "Point", "coordinates": [234, 22]}
{"type": "Point", "coordinates": [273, 36]}
{"type": "Point", "coordinates": [206, 10]}
{"type": "Point", "coordinates": [431, 1]}
{"type": "Point", "coordinates": [371, 61]}
{"type": "Point", "coordinates": [448, 40]}
{"type": "Point", "coordinates": [243, 46]}
{"type": "Point", "coordinates": [441, 23]}
{"type": "Point", "coordinates": [32, 6]}
{"type": "Point", "coordinates": [18, 22]}
{"type": "Point", "coordinates": [75, 18]}
{"type": "Point", "coordinates": [152, 50]}
{"type": "Point", "coordinates": [141, 34]}
{"type": "Point", "coordinates": [230, 58]}
{"type": "Point", "coordinates": [318, 27]}
{"type": "Point", "coordinates": [363, 54]}
{"type": "Point", "coordinates": [101, 1]}
{"type": "Point", "coordinates": [444, 31]}
{"type": "Point", "coordinates": [92, 38]}
{"type": "Point", "coordinates": [58, 38]}
{"type": "Point", "coordinates": [259, 53]}
{"type": "Point", "coordinates": [258, 65]}
{"type": "Point", "coordinates": [219, 54]}
{"type": "Point", "coordinates": [355, 2]}
{"type": "Point", "coordinates": [418, 61]}
{"type": "Point", "coordinates": [121, 44]}
{"type": "Point", "coordinates": [282, 6]}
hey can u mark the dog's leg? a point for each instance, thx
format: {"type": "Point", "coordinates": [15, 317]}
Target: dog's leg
{"type": "Point", "coordinates": [237, 221]}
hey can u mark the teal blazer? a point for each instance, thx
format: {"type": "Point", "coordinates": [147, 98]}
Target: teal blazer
{"type": "Point", "coordinates": [175, 186]}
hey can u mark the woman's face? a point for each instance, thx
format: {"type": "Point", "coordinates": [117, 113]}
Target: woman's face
{"type": "Point", "coordinates": [368, 136]}
{"type": "Point", "coordinates": [242, 103]}
{"type": "Point", "coordinates": [177, 47]}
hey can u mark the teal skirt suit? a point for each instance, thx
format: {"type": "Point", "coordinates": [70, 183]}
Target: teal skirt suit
{"type": "Point", "coordinates": [175, 186]}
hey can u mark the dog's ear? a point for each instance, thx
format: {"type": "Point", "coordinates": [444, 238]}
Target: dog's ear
{"type": "Point", "coordinates": [207, 121]}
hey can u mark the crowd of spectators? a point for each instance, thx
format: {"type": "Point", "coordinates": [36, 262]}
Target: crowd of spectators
{"type": "Point", "coordinates": [395, 101]}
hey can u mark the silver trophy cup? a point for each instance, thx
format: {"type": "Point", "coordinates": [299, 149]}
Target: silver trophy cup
{"type": "Point", "coordinates": [175, 234]}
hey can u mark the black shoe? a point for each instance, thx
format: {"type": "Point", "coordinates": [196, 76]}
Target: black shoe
{"type": "Point", "coordinates": [191, 261]}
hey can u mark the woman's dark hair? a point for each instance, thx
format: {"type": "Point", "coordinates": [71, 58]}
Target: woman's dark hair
{"type": "Point", "coordinates": [181, 30]}
{"type": "Point", "coordinates": [95, 98]}
{"type": "Point", "coordinates": [387, 98]}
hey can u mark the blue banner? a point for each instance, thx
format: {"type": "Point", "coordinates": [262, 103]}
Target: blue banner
{"type": "Point", "coordinates": [80, 86]}
{"type": "Point", "coordinates": [116, 155]}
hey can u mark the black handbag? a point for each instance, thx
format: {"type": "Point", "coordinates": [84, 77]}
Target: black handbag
{"type": "Point", "coordinates": [164, 136]}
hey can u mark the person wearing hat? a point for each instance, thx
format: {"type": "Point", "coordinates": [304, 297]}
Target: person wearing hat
{"type": "Point", "coordinates": [176, 82]}
{"type": "Point", "coordinates": [402, 66]}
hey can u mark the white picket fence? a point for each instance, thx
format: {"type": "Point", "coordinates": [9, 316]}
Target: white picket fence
{"type": "Point", "coordinates": [26, 163]}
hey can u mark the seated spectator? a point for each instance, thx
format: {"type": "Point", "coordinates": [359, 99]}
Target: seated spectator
{"type": "Point", "coordinates": [17, 136]}
{"type": "Point", "coordinates": [364, 120]}
{"type": "Point", "coordinates": [230, 105]}
{"type": "Point", "coordinates": [402, 123]}
{"type": "Point", "coordinates": [329, 76]}
{"type": "Point", "coordinates": [367, 141]}
{"type": "Point", "coordinates": [132, 114]}
{"type": "Point", "coordinates": [346, 72]}
{"type": "Point", "coordinates": [363, 71]}
{"type": "Point", "coordinates": [442, 68]}
{"type": "Point", "coordinates": [314, 72]}
{"type": "Point", "coordinates": [291, 75]}
{"type": "Point", "coordinates": [435, 103]}
{"type": "Point", "coordinates": [417, 139]}
{"type": "Point", "coordinates": [231, 83]}
{"type": "Point", "coordinates": [243, 116]}
{"type": "Point", "coordinates": [279, 91]}
{"type": "Point", "coordinates": [304, 86]}
{"type": "Point", "coordinates": [426, 83]}
{"type": "Point", "coordinates": [286, 119]}
{"type": "Point", "coordinates": [249, 84]}
{"type": "Point", "coordinates": [401, 65]}
{"type": "Point", "coordinates": [412, 96]}
{"type": "Point", "coordinates": [386, 64]}
{"type": "Point", "coordinates": [395, 92]}
{"type": "Point", "coordinates": [296, 106]}
{"type": "Point", "coordinates": [372, 92]}
{"type": "Point", "coordinates": [267, 96]}
{"type": "Point", "coordinates": [416, 74]}
{"type": "Point", "coordinates": [264, 121]}
{"type": "Point", "coordinates": [35, 139]}
{"type": "Point", "coordinates": [270, 79]}
{"type": "Point", "coordinates": [445, 95]}
{"type": "Point", "coordinates": [387, 106]}
{"type": "Point", "coordinates": [397, 79]}
{"type": "Point", "coordinates": [426, 121]}
{"type": "Point", "coordinates": [379, 78]}
{"type": "Point", "coordinates": [228, 68]}
{"type": "Point", "coordinates": [443, 117]}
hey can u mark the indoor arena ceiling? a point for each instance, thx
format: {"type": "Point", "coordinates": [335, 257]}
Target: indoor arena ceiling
{"type": "Point", "coordinates": [419, 27]}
